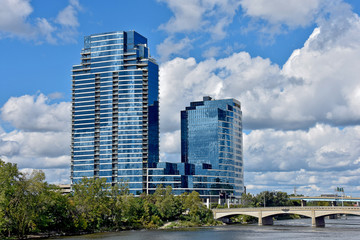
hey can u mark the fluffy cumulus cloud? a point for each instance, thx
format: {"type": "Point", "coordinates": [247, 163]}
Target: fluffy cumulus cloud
{"type": "Point", "coordinates": [31, 113]}
{"type": "Point", "coordinates": [290, 12]}
{"type": "Point", "coordinates": [171, 46]}
{"type": "Point", "coordinates": [318, 84]}
{"type": "Point", "coordinates": [16, 21]}
{"type": "Point", "coordinates": [191, 17]}
{"type": "Point", "coordinates": [308, 183]}
{"type": "Point", "coordinates": [302, 117]}
{"type": "Point", "coordinates": [41, 138]}
{"type": "Point", "coordinates": [13, 15]}
{"type": "Point", "coordinates": [320, 148]}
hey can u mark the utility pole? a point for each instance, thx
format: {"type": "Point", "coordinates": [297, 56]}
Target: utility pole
{"type": "Point", "coordinates": [264, 200]}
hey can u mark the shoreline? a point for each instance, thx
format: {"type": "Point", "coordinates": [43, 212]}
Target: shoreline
{"type": "Point", "coordinates": [172, 225]}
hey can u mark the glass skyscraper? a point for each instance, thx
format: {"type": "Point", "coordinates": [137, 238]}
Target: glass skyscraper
{"type": "Point", "coordinates": [115, 110]}
{"type": "Point", "coordinates": [211, 147]}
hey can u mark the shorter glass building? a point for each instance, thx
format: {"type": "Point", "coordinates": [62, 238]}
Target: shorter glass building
{"type": "Point", "coordinates": [211, 152]}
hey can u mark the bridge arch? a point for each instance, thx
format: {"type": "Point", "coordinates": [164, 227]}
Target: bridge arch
{"type": "Point", "coordinates": [340, 212]}
{"type": "Point", "coordinates": [265, 217]}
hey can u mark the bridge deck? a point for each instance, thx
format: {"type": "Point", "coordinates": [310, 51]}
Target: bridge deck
{"type": "Point", "coordinates": [327, 199]}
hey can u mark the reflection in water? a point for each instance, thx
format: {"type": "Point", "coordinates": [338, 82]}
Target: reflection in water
{"type": "Point", "coordinates": [286, 229]}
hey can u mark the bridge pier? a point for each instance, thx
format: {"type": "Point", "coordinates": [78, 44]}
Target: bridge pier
{"type": "Point", "coordinates": [318, 221]}
{"type": "Point", "coordinates": [265, 220]}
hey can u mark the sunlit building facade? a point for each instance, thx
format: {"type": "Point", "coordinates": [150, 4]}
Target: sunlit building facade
{"type": "Point", "coordinates": [211, 152]}
{"type": "Point", "coordinates": [211, 141]}
{"type": "Point", "coordinates": [115, 110]}
{"type": "Point", "coordinates": [115, 125]}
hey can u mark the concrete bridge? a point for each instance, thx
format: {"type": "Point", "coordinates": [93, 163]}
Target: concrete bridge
{"type": "Point", "coordinates": [333, 199]}
{"type": "Point", "coordinates": [265, 215]}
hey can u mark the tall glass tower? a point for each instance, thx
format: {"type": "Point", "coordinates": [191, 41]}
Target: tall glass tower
{"type": "Point", "coordinates": [115, 110]}
{"type": "Point", "coordinates": [211, 141]}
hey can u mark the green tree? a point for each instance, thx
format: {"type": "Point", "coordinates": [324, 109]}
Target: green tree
{"type": "Point", "coordinates": [272, 199]}
{"type": "Point", "coordinates": [91, 204]}
{"type": "Point", "coordinates": [197, 211]}
{"type": "Point", "coordinates": [248, 200]}
{"type": "Point", "coordinates": [9, 185]}
{"type": "Point", "coordinates": [28, 204]}
{"type": "Point", "coordinates": [168, 206]}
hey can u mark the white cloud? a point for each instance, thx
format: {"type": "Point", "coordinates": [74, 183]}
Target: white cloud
{"type": "Point", "coordinates": [40, 144]}
{"type": "Point", "coordinates": [211, 52]}
{"type": "Point", "coordinates": [320, 148]}
{"type": "Point", "coordinates": [293, 13]}
{"type": "Point", "coordinates": [170, 47]}
{"type": "Point", "coordinates": [187, 16]}
{"type": "Point", "coordinates": [204, 15]}
{"type": "Point", "coordinates": [318, 84]}
{"type": "Point", "coordinates": [16, 21]}
{"type": "Point", "coordinates": [46, 29]}
{"type": "Point", "coordinates": [68, 16]}
{"type": "Point", "coordinates": [304, 115]}
{"type": "Point", "coordinates": [211, 17]}
{"type": "Point", "coordinates": [42, 136]}
{"type": "Point", "coordinates": [54, 176]}
{"type": "Point", "coordinates": [9, 148]}
{"type": "Point", "coordinates": [170, 142]}
{"type": "Point", "coordinates": [308, 183]}
{"type": "Point", "coordinates": [33, 113]}
{"type": "Point", "coordinates": [13, 16]}
{"type": "Point", "coordinates": [328, 63]}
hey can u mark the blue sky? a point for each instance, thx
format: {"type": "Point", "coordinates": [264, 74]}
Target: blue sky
{"type": "Point", "coordinates": [293, 65]}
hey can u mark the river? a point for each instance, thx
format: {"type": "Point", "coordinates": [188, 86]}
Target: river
{"type": "Point", "coordinates": [343, 229]}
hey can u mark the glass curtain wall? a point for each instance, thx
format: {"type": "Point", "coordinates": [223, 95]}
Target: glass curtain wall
{"type": "Point", "coordinates": [115, 110]}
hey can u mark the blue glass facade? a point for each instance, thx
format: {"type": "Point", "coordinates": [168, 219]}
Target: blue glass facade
{"type": "Point", "coordinates": [211, 144]}
{"type": "Point", "coordinates": [115, 125]}
{"type": "Point", "coordinates": [211, 152]}
{"type": "Point", "coordinates": [115, 110]}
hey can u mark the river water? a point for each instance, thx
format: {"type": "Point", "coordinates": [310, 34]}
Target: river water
{"type": "Point", "coordinates": [341, 229]}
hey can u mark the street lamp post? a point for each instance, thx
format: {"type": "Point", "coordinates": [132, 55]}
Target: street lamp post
{"type": "Point", "coordinates": [264, 200]}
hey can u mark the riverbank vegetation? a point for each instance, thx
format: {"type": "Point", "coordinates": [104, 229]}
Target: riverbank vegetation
{"type": "Point", "coordinates": [29, 205]}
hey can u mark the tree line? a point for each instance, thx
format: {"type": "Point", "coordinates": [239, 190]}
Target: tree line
{"type": "Point", "coordinates": [267, 199]}
{"type": "Point", "coordinates": [29, 205]}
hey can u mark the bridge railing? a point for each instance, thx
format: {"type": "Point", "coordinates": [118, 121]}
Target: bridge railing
{"type": "Point", "coordinates": [288, 207]}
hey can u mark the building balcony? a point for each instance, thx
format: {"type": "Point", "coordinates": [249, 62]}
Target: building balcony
{"type": "Point", "coordinates": [129, 64]}
{"type": "Point", "coordinates": [130, 58]}
{"type": "Point", "coordinates": [131, 52]}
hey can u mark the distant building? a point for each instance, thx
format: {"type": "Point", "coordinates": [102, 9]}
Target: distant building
{"type": "Point", "coordinates": [211, 140]}
{"type": "Point", "coordinates": [115, 110]}
{"type": "Point", "coordinates": [211, 152]}
{"type": "Point", "coordinates": [64, 188]}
